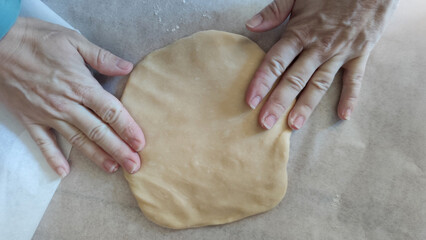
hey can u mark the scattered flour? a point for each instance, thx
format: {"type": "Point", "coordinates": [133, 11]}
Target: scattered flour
{"type": "Point", "coordinates": [336, 201]}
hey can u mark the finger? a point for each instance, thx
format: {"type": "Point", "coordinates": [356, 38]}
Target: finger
{"type": "Point", "coordinates": [87, 147]}
{"type": "Point", "coordinates": [100, 59]}
{"type": "Point", "coordinates": [119, 152]}
{"type": "Point", "coordinates": [102, 135]}
{"type": "Point", "coordinates": [313, 92]}
{"type": "Point", "coordinates": [272, 67]}
{"type": "Point", "coordinates": [293, 82]}
{"type": "Point", "coordinates": [112, 112]}
{"type": "Point", "coordinates": [46, 141]}
{"type": "Point", "coordinates": [352, 77]}
{"type": "Point", "coordinates": [271, 16]}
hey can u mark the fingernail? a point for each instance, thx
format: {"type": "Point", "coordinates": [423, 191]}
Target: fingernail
{"type": "Point", "coordinates": [130, 166]}
{"type": "Point", "coordinates": [254, 102]}
{"type": "Point", "coordinates": [124, 65]}
{"type": "Point", "coordinates": [136, 145]}
{"type": "Point", "coordinates": [61, 172]}
{"type": "Point", "coordinates": [347, 114]}
{"type": "Point", "coordinates": [270, 121]}
{"type": "Point", "coordinates": [255, 21]}
{"type": "Point", "coordinates": [111, 166]}
{"type": "Point", "coordinates": [298, 122]}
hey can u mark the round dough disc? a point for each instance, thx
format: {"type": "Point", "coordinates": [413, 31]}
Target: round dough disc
{"type": "Point", "coordinates": [207, 161]}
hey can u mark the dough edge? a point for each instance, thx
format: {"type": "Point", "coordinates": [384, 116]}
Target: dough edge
{"type": "Point", "coordinates": [285, 137]}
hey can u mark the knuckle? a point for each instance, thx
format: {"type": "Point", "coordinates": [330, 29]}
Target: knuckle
{"type": "Point", "coordinates": [308, 107]}
{"type": "Point", "coordinates": [321, 84]}
{"type": "Point", "coordinates": [73, 34]}
{"type": "Point", "coordinates": [357, 78]}
{"type": "Point", "coordinates": [369, 4]}
{"type": "Point", "coordinates": [351, 98]}
{"type": "Point", "coordinates": [300, 36]}
{"type": "Point", "coordinates": [85, 94]}
{"type": "Point", "coordinates": [96, 157]}
{"type": "Point", "coordinates": [103, 55]}
{"type": "Point", "coordinates": [118, 153]}
{"type": "Point", "coordinates": [327, 42]}
{"type": "Point", "coordinates": [322, 53]}
{"type": "Point", "coordinates": [277, 105]}
{"type": "Point", "coordinates": [42, 143]}
{"type": "Point", "coordinates": [81, 90]}
{"type": "Point", "coordinates": [273, 9]}
{"type": "Point", "coordinates": [276, 65]}
{"type": "Point", "coordinates": [348, 99]}
{"type": "Point", "coordinates": [55, 35]}
{"type": "Point", "coordinates": [296, 82]}
{"type": "Point", "coordinates": [78, 140]}
{"type": "Point", "coordinates": [97, 133]}
{"type": "Point", "coordinates": [363, 44]}
{"type": "Point", "coordinates": [354, 80]}
{"type": "Point", "coordinates": [262, 82]}
{"type": "Point", "coordinates": [129, 131]}
{"type": "Point", "coordinates": [58, 104]}
{"type": "Point", "coordinates": [112, 113]}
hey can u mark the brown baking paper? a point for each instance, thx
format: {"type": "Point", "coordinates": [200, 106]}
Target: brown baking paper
{"type": "Point", "coordinates": [358, 179]}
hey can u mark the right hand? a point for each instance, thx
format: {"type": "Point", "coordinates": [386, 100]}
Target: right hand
{"type": "Point", "coordinates": [44, 81]}
{"type": "Point", "coordinates": [322, 36]}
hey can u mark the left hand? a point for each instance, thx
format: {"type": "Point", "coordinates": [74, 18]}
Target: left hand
{"type": "Point", "coordinates": [44, 81]}
{"type": "Point", "coordinates": [322, 36]}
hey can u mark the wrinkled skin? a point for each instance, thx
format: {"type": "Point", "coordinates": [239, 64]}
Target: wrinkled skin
{"type": "Point", "coordinates": [321, 37]}
{"type": "Point", "coordinates": [44, 81]}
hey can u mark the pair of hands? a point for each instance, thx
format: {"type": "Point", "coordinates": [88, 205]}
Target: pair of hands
{"type": "Point", "coordinates": [45, 82]}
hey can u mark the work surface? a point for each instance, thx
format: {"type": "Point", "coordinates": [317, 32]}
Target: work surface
{"type": "Point", "coordinates": [360, 179]}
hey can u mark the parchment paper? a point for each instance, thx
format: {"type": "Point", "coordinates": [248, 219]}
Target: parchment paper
{"type": "Point", "coordinates": [360, 179]}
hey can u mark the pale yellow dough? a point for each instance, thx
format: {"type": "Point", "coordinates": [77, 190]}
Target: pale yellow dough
{"type": "Point", "coordinates": [207, 161]}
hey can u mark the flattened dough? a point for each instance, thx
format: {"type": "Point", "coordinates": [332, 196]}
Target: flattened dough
{"type": "Point", "coordinates": [207, 161]}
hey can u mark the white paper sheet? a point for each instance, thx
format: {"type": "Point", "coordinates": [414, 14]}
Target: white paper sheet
{"type": "Point", "coordinates": [27, 183]}
{"type": "Point", "coordinates": [37, 9]}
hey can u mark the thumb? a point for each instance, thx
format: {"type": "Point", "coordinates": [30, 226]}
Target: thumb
{"type": "Point", "coordinates": [271, 16]}
{"type": "Point", "coordinates": [102, 60]}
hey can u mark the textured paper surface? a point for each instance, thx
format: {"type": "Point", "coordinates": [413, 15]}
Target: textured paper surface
{"type": "Point", "coordinates": [27, 183]}
{"type": "Point", "coordinates": [361, 179]}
